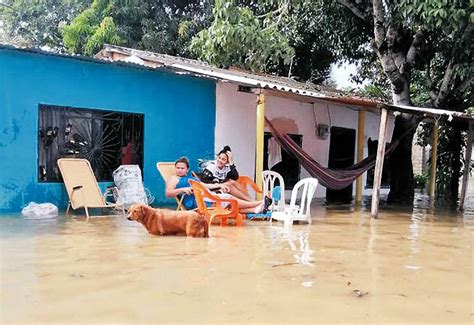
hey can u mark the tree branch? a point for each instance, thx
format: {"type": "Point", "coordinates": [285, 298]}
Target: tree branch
{"type": "Point", "coordinates": [443, 90]}
{"type": "Point", "coordinates": [391, 36]}
{"type": "Point", "coordinates": [464, 85]}
{"type": "Point", "coordinates": [379, 22]}
{"type": "Point", "coordinates": [7, 6]}
{"type": "Point", "coordinates": [429, 82]}
{"type": "Point", "coordinates": [411, 54]}
{"type": "Point", "coordinates": [397, 79]}
{"type": "Point", "coordinates": [355, 10]}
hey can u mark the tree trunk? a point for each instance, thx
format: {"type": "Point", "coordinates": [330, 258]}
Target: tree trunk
{"type": "Point", "coordinates": [456, 145]}
{"type": "Point", "coordinates": [402, 181]}
{"type": "Point", "coordinates": [449, 165]}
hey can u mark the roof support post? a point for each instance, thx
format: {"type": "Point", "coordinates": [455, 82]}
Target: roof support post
{"type": "Point", "coordinates": [467, 163]}
{"type": "Point", "coordinates": [379, 163]}
{"type": "Point", "coordinates": [434, 155]}
{"type": "Point", "coordinates": [360, 152]}
{"type": "Point", "coordinates": [260, 127]}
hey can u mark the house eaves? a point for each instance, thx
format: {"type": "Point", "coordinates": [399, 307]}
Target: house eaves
{"type": "Point", "coordinates": [237, 76]}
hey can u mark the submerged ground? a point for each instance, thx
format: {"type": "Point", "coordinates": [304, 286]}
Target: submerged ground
{"type": "Point", "coordinates": [409, 267]}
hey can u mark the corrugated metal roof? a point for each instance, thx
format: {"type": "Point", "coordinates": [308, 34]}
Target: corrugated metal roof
{"type": "Point", "coordinates": [241, 77]}
{"type": "Point", "coordinates": [138, 59]}
{"type": "Point", "coordinates": [265, 81]}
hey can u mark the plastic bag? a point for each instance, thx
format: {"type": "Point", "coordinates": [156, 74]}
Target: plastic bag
{"type": "Point", "coordinates": [40, 211]}
{"type": "Point", "coordinates": [128, 179]}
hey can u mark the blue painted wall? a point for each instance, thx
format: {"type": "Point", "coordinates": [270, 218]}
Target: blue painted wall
{"type": "Point", "coordinates": [179, 116]}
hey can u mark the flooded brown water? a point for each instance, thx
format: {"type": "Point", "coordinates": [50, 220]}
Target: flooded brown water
{"type": "Point", "coordinates": [405, 267]}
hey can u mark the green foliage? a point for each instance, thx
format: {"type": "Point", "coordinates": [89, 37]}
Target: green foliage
{"type": "Point", "coordinates": [91, 29]}
{"type": "Point", "coordinates": [164, 26]}
{"type": "Point", "coordinates": [439, 34]}
{"type": "Point", "coordinates": [375, 91]}
{"type": "Point", "coordinates": [37, 23]}
{"type": "Point", "coordinates": [238, 37]}
{"type": "Point", "coordinates": [421, 180]}
{"type": "Point", "coordinates": [434, 14]}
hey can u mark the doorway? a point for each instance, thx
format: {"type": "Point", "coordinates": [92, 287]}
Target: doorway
{"type": "Point", "coordinates": [289, 167]}
{"type": "Point", "coordinates": [341, 156]}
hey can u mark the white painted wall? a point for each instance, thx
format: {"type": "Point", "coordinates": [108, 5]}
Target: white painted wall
{"type": "Point", "coordinates": [236, 119]}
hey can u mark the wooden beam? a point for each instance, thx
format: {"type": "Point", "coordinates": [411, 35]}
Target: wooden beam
{"type": "Point", "coordinates": [360, 153]}
{"type": "Point", "coordinates": [379, 163]}
{"type": "Point", "coordinates": [467, 165]}
{"type": "Point", "coordinates": [344, 102]}
{"type": "Point", "coordinates": [260, 127]}
{"type": "Point", "coordinates": [434, 155]}
{"type": "Point", "coordinates": [287, 95]}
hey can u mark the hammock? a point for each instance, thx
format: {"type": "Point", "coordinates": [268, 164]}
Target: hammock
{"type": "Point", "coordinates": [335, 179]}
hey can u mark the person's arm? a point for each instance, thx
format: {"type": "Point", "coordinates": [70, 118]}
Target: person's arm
{"type": "Point", "coordinates": [233, 173]}
{"type": "Point", "coordinates": [172, 191]}
{"type": "Point", "coordinates": [217, 186]}
{"type": "Point", "coordinates": [206, 176]}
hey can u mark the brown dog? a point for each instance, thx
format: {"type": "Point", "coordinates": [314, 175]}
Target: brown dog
{"type": "Point", "coordinates": [168, 222]}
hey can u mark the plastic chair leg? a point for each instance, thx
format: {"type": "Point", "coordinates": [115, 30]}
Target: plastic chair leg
{"type": "Point", "coordinates": [223, 221]}
{"type": "Point", "coordinates": [87, 212]}
{"type": "Point", "coordinates": [239, 220]}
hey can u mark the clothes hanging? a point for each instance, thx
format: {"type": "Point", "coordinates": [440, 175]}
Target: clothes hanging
{"type": "Point", "coordinates": [274, 152]}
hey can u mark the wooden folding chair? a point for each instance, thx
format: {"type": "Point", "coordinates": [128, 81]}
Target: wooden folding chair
{"type": "Point", "coordinates": [82, 187]}
{"type": "Point", "coordinates": [167, 169]}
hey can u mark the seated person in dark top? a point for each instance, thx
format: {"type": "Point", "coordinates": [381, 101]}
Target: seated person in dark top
{"type": "Point", "coordinates": [223, 171]}
{"type": "Point", "coordinates": [179, 185]}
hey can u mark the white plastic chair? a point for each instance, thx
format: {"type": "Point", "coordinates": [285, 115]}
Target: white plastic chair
{"type": "Point", "coordinates": [307, 187]}
{"type": "Point", "coordinates": [269, 178]}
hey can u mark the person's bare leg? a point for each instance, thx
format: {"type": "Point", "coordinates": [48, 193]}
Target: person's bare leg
{"type": "Point", "coordinates": [238, 190]}
{"type": "Point", "coordinates": [250, 207]}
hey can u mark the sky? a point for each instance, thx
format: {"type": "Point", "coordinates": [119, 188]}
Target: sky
{"type": "Point", "coordinates": [342, 75]}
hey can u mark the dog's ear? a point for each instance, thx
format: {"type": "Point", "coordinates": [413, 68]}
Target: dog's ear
{"type": "Point", "coordinates": [142, 211]}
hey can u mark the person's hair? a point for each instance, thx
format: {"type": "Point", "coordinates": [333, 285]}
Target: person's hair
{"type": "Point", "coordinates": [183, 160]}
{"type": "Point", "coordinates": [226, 148]}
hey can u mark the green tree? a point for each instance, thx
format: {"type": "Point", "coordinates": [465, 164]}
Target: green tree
{"type": "Point", "coordinates": [91, 29]}
{"type": "Point", "coordinates": [424, 49]}
{"type": "Point", "coordinates": [164, 26]}
{"type": "Point", "coordinates": [37, 23]}
{"type": "Point", "coordinates": [238, 37]}
{"type": "Point", "coordinates": [276, 36]}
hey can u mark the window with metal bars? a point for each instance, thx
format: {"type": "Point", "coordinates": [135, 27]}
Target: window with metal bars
{"type": "Point", "coordinates": [107, 139]}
